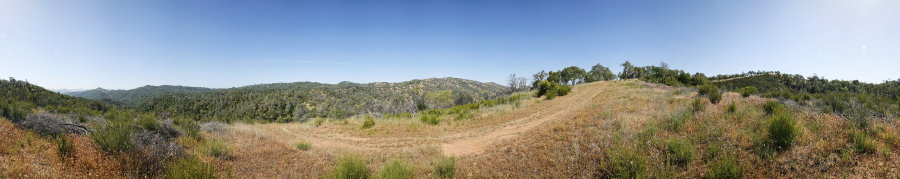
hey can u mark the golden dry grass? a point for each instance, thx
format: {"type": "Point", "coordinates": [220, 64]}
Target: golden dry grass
{"type": "Point", "coordinates": [24, 154]}
{"type": "Point", "coordinates": [569, 137]}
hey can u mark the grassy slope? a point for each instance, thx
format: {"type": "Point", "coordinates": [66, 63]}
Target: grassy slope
{"type": "Point", "coordinates": [620, 116]}
{"type": "Point", "coordinates": [24, 154]}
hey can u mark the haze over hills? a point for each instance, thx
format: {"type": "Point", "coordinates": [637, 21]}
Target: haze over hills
{"type": "Point", "coordinates": [301, 100]}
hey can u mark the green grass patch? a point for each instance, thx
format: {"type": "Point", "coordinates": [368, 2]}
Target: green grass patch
{"type": "Point", "coordinates": [216, 148]}
{"type": "Point", "coordinates": [445, 167]}
{"type": "Point", "coordinates": [350, 167]}
{"type": "Point", "coordinates": [303, 146]}
{"type": "Point", "coordinates": [368, 123]}
{"type": "Point", "coordinates": [189, 168]}
{"type": "Point", "coordinates": [626, 163]}
{"type": "Point", "coordinates": [64, 147]}
{"type": "Point", "coordinates": [679, 151]}
{"type": "Point", "coordinates": [396, 170]}
{"type": "Point", "coordinates": [724, 167]}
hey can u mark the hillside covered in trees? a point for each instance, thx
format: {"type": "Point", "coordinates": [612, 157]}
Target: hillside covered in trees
{"type": "Point", "coordinates": [302, 100]}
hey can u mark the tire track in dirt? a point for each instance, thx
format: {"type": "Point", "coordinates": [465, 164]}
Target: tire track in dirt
{"type": "Point", "coordinates": [467, 141]}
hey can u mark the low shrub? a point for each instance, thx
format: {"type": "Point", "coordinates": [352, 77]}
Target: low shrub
{"type": "Point", "coordinates": [189, 168]}
{"type": "Point", "coordinates": [676, 121]}
{"type": "Point", "coordinates": [707, 89]}
{"type": "Point", "coordinates": [732, 108]}
{"type": "Point", "coordinates": [115, 137]}
{"type": "Point", "coordinates": [432, 119]}
{"type": "Point", "coordinates": [626, 163]}
{"type": "Point", "coordinates": [148, 122]}
{"type": "Point", "coordinates": [724, 167]}
{"type": "Point", "coordinates": [782, 130]}
{"type": "Point", "coordinates": [64, 147]}
{"type": "Point", "coordinates": [771, 106]}
{"type": "Point", "coordinates": [396, 170]}
{"type": "Point", "coordinates": [216, 148]}
{"type": "Point", "coordinates": [318, 122]}
{"type": "Point", "coordinates": [862, 143]}
{"type": "Point", "coordinates": [350, 167]}
{"type": "Point", "coordinates": [445, 167]}
{"type": "Point", "coordinates": [563, 89]}
{"type": "Point", "coordinates": [715, 97]}
{"type": "Point", "coordinates": [680, 151]}
{"type": "Point", "coordinates": [698, 105]}
{"type": "Point", "coordinates": [368, 123]}
{"type": "Point", "coordinates": [748, 90]}
{"type": "Point", "coordinates": [303, 146]}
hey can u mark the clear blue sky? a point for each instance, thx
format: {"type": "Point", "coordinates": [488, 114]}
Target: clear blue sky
{"type": "Point", "coordinates": [126, 44]}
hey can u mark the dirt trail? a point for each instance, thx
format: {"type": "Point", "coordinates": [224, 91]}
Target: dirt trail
{"type": "Point", "coordinates": [464, 141]}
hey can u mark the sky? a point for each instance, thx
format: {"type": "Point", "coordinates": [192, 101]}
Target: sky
{"type": "Point", "coordinates": [85, 44]}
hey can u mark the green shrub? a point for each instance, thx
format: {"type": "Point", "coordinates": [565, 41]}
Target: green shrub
{"type": "Point", "coordinates": [368, 123]}
{"type": "Point", "coordinates": [189, 168]}
{"type": "Point", "coordinates": [862, 143]}
{"type": "Point", "coordinates": [216, 148]}
{"type": "Point", "coordinates": [318, 122]}
{"type": "Point", "coordinates": [432, 119]}
{"type": "Point", "coordinates": [563, 89]}
{"type": "Point", "coordinates": [748, 90]}
{"type": "Point", "coordinates": [732, 108]}
{"type": "Point", "coordinates": [626, 163]}
{"type": "Point", "coordinates": [715, 97]}
{"type": "Point", "coordinates": [676, 121]}
{"type": "Point", "coordinates": [445, 167]}
{"type": "Point", "coordinates": [698, 105]}
{"type": "Point", "coordinates": [771, 106]}
{"type": "Point", "coordinates": [350, 167]}
{"type": "Point", "coordinates": [303, 146]}
{"type": "Point", "coordinates": [188, 127]}
{"type": "Point", "coordinates": [115, 137]}
{"type": "Point", "coordinates": [148, 122]}
{"type": "Point", "coordinates": [707, 89]}
{"type": "Point", "coordinates": [724, 168]}
{"type": "Point", "coordinates": [782, 130]}
{"type": "Point", "coordinates": [680, 151]}
{"type": "Point", "coordinates": [552, 93]}
{"type": "Point", "coordinates": [396, 170]}
{"type": "Point", "coordinates": [64, 147]}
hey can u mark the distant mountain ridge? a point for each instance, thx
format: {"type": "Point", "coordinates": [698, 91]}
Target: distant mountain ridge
{"type": "Point", "coordinates": [301, 100]}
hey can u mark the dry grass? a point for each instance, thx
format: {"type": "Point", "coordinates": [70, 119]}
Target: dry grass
{"type": "Point", "coordinates": [24, 154]}
{"type": "Point", "coordinates": [570, 137]}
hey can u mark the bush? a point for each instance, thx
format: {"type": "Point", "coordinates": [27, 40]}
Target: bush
{"type": "Point", "coordinates": [862, 143]}
{"type": "Point", "coordinates": [115, 137]}
{"type": "Point", "coordinates": [148, 122]}
{"type": "Point", "coordinates": [676, 121]}
{"type": "Point", "coordinates": [724, 168]}
{"type": "Point", "coordinates": [303, 146]}
{"type": "Point", "coordinates": [782, 130]}
{"type": "Point", "coordinates": [625, 163]}
{"type": "Point", "coordinates": [430, 119]}
{"type": "Point", "coordinates": [771, 106]}
{"type": "Point", "coordinates": [715, 97]}
{"type": "Point", "coordinates": [698, 105]}
{"type": "Point", "coordinates": [563, 90]}
{"type": "Point", "coordinates": [732, 108]}
{"type": "Point", "coordinates": [368, 123]}
{"type": "Point", "coordinates": [552, 93]}
{"type": "Point", "coordinates": [445, 167]}
{"type": "Point", "coordinates": [396, 170]}
{"type": "Point", "coordinates": [64, 147]}
{"type": "Point", "coordinates": [707, 89]}
{"type": "Point", "coordinates": [748, 90]}
{"type": "Point", "coordinates": [680, 151]}
{"type": "Point", "coordinates": [189, 168]}
{"type": "Point", "coordinates": [318, 122]}
{"type": "Point", "coordinates": [350, 167]}
{"type": "Point", "coordinates": [216, 148]}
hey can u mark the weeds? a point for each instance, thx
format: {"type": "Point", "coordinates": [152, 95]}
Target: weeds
{"type": "Point", "coordinates": [368, 123]}
{"type": "Point", "coordinates": [732, 108]}
{"type": "Point", "coordinates": [680, 151]}
{"type": "Point", "coordinates": [862, 143]}
{"type": "Point", "coordinates": [65, 147]}
{"type": "Point", "coordinates": [189, 168]}
{"type": "Point", "coordinates": [676, 121]}
{"type": "Point", "coordinates": [430, 119]}
{"type": "Point", "coordinates": [115, 137]}
{"type": "Point", "coordinates": [303, 146]}
{"type": "Point", "coordinates": [216, 148]}
{"type": "Point", "coordinates": [445, 167]}
{"type": "Point", "coordinates": [396, 170]}
{"type": "Point", "coordinates": [782, 130]}
{"type": "Point", "coordinates": [350, 167]}
{"type": "Point", "coordinates": [626, 163]}
{"type": "Point", "coordinates": [724, 168]}
{"type": "Point", "coordinates": [698, 105]}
